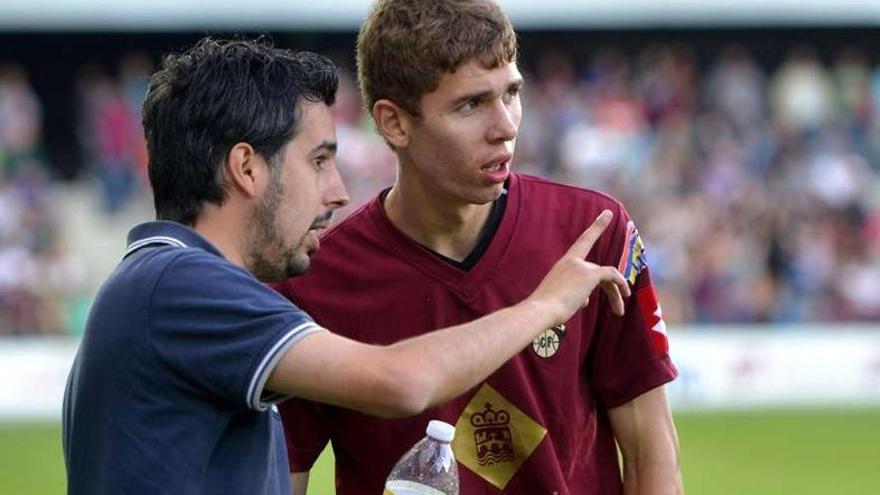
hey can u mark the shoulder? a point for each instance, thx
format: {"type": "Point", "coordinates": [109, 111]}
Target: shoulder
{"type": "Point", "coordinates": [198, 275]}
{"type": "Point", "coordinates": [209, 295]}
{"type": "Point", "coordinates": [145, 268]}
{"type": "Point", "coordinates": [533, 185]}
{"type": "Point", "coordinates": [192, 266]}
{"type": "Point", "coordinates": [540, 193]}
{"type": "Point", "coordinates": [563, 212]}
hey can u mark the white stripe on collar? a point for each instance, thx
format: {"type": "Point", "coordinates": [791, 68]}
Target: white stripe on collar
{"type": "Point", "coordinates": [159, 239]}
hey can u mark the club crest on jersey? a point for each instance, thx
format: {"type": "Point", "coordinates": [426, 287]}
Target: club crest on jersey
{"type": "Point", "coordinates": [547, 343]}
{"type": "Point", "coordinates": [492, 437]}
{"type": "Point", "coordinates": [632, 260]}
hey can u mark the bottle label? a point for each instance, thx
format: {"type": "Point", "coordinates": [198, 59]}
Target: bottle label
{"type": "Point", "coordinates": [403, 487]}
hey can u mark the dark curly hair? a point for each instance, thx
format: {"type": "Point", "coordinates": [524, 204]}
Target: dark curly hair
{"type": "Point", "coordinates": [205, 100]}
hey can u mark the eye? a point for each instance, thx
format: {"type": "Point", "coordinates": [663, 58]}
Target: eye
{"type": "Point", "coordinates": [511, 94]}
{"type": "Point", "coordinates": [471, 104]}
{"type": "Point", "coordinates": [320, 162]}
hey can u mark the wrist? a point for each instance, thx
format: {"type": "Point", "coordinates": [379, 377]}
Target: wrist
{"type": "Point", "coordinates": [547, 312]}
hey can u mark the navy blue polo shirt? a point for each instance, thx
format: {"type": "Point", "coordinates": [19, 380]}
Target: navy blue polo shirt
{"type": "Point", "coordinates": [166, 394]}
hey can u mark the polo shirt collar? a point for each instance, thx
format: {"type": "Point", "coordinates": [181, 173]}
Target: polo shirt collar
{"type": "Point", "coordinates": [166, 233]}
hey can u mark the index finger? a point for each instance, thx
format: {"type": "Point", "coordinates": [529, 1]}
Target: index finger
{"type": "Point", "coordinates": [584, 243]}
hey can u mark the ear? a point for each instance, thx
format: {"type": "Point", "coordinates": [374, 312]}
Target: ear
{"type": "Point", "coordinates": [393, 122]}
{"type": "Point", "coordinates": [244, 169]}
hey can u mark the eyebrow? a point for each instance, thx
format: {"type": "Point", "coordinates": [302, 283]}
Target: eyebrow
{"type": "Point", "coordinates": [324, 146]}
{"type": "Point", "coordinates": [482, 95]}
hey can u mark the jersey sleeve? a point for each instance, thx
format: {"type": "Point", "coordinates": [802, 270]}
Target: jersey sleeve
{"type": "Point", "coordinates": [631, 354]}
{"type": "Point", "coordinates": [220, 331]}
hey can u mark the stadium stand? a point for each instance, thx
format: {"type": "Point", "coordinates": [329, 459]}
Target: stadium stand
{"type": "Point", "coordinates": [754, 178]}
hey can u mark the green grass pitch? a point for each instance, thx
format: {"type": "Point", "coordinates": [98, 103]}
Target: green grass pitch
{"type": "Point", "coordinates": [732, 453]}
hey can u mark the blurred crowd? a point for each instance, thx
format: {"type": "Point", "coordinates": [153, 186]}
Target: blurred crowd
{"type": "Point", "coordinates": [40, 281]}
{"type": "Point", "coordinates": [756, 187]}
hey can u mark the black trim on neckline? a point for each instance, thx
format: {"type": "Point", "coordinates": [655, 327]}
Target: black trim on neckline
{"type": "Point", "coordinates": [466, 284]}
{"type": "Point", "coordinates": [485, 238]}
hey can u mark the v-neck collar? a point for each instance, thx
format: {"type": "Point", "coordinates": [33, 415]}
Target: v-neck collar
{"type": "Point", "coordinates": [466, 283]}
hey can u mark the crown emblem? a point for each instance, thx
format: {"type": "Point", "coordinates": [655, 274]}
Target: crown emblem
{"type": "Point", "coordinates": [490, 417]}
{"type": "Point", "coordinates": [492, 436]}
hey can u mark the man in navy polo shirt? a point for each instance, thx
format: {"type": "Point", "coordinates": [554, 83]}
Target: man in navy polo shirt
{"type": "Point", "coordinates": [186, 351]}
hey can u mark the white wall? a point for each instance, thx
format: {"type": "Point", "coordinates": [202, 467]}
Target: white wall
{"type": "Point", "coordinates": [750, 367]}
{"type": "Point", "coordinates": [746, 367]}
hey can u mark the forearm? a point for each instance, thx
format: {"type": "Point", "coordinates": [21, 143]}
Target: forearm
{"type": "Point", "coordinates": [452, 360]}
{"type": "Point", "coordinates": [406, 378]}
{"type": "Point", "coordinates": [652, 474]}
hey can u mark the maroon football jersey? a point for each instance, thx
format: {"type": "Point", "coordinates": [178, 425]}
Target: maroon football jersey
{"type": "Point", "coordinates": [539, 425]}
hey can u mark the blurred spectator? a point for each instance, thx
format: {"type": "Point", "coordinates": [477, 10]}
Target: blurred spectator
{"type": "Point", "coordinates": [802, 95]}
{"type": "Point", "coordinates": [735, 89]}
{"type": "Point", "coordinates": [21, 118]}
{"type": "Point", "coordinates": [604, 139]}
{"type": "Point", "coordinates": [134, 79]}
{"type": "Point", "coordinates": [853, 79]}
{"type": "Point", "coordinates": [110, 130]}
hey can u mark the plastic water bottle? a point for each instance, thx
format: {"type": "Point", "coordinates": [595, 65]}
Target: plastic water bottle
{"type": "Point", "coordinates": [429, 467]}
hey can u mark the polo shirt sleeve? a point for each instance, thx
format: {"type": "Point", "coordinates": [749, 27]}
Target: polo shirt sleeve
{"type": "Point", "coordinates": [631, 353]}
{"type": "Point", "coordinates": [219, 331]}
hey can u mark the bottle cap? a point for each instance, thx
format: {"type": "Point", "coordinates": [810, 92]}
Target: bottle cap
{"type": "Point", "coordinates": [439, 430]}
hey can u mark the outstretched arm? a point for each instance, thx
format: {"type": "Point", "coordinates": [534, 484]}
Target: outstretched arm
{"type": "Point", "coordinates": [417, 373]}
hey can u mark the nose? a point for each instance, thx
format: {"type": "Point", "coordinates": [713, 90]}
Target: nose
{"type": "Point", "coordinates": [506, 118]}
{"type": "Point", "coordinates": [335, 195]}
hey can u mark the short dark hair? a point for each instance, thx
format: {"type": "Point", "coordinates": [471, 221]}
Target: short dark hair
{"type": "Point", "coordinates": [218, 93]}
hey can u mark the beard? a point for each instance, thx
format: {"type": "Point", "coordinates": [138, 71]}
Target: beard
{"type": "Point", "coordinates": [269, 258]}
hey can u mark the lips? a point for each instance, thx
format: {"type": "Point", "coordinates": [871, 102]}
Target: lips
{"type": "Point", "coordinates": [322, 221]}
{"type": "Point", "coordinates": [497, 169]}
{"type": "Point", "coordinates": [313, 234]}
{"type": "Point", "coordinates": [313, 243]}
{"type": "Point", "coordinates": [497, 162]}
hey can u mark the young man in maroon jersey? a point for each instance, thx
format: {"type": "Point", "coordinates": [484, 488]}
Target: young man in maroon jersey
{"type": "Point", "coordinates": [459, 236]}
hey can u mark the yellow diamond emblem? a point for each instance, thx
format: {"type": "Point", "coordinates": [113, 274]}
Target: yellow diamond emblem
{"type": "Point", "coordinates": [493, 437]}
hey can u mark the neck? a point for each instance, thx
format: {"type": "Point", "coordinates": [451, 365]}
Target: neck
{"type": "Point", "coordinates": [217, 226]}
{"type": "Point", "coordinates": [439, 222]}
